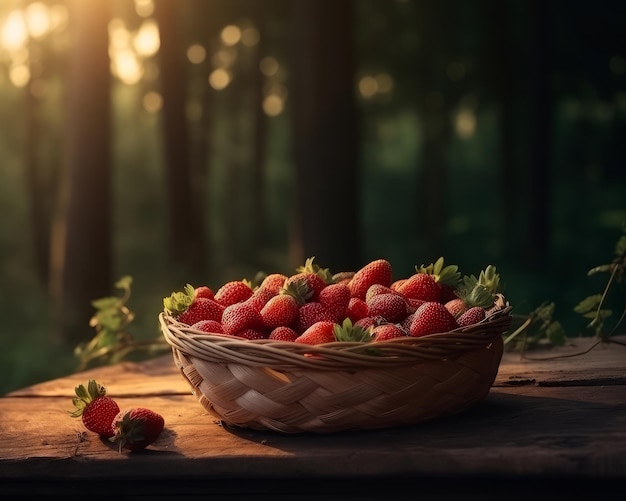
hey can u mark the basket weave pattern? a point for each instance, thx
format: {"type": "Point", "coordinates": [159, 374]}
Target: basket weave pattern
{"type": "Point", "coordinates": [293, 388]}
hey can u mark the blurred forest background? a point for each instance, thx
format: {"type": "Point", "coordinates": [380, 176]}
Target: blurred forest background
{"type": "Point", "coordinates": [202, 141]}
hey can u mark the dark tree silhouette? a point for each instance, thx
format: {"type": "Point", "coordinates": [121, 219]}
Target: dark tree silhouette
{"type": "Point", "coordinates": [325, 135]}
{"type": "Point", "coordinates": [186, 237]}
{"type": "Point", "coordinates": [81, 240]}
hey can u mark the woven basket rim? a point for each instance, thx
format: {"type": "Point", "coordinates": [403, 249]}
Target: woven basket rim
{"type": "Point", "coordinates": [286, 355]}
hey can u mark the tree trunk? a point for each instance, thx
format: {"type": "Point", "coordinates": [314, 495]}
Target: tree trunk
{"type": "Point", "coordinates": [185, 222]}
{"type": "Point", "coordinates": [81, 241]}
{"type": "Point", "coordinates": [325, 135]}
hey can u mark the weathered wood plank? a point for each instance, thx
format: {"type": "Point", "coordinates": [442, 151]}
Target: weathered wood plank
{"type": "Point", "coordinates": [536, 429]}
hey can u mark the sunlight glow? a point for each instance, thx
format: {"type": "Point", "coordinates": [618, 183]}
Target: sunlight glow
{"type": "Point", "coordinates": [38, 19]}
{"type": "Point", "coordinates": [146, 41]}
{"type": "Point", "coordinates": [19, 75]}
{"type": "Point", "coordinates": [196, 53]}
{"type": "Point", "coordinates": [14, 31]}
{"type": "Point", "coordinates": [368, 86]}
{"type": "Point", "coordinates": [269, 66]}
{"type": "Point", "coordinates": [219, 79]}
{"type": "Point", "coordinates": [273, 105]}
{"type": "Point", "coordinates": [230, 35]}
{"type": "Point", "coordinates": [465, 123]}
{"type": "Point", "coordinates": [126, 66]}
{"type": "Point", "coordinates": [144, 8]}
{"type": "Point", "coordinates": [152, 102]}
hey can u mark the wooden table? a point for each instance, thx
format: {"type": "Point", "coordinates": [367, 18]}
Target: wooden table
{"type": "Point", "coordinates": [547, 428]}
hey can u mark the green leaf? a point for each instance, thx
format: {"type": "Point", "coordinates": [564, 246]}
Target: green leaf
{"type": "Point", "coordinates": [588, 304]}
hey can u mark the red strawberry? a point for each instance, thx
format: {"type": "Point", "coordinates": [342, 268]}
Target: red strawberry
{"type": "Point", "coordinates": [384, 332]}
{"type": "Point", "coordinates": [241, 316]}
{"type": "Point", "coordinates": [252, 334]}
{"type": "Point", "coordinates": [310, 313]}
{"type": "Point", "coordinates": [413, 304]}
{"type": "Point", "coordinates": [318, 333]}
{"type": "Point", "coordinates": [456, 306]}
{"type": "Point", "coordinates": [279, 310]}
{"type": "Point", "coordinates": [313, 282]}
{"type": "Point", "coordinates": [420, 286]}
{"type": "Point", "coordinates": [397, 283]}
{"type": "Point", "coordinates": [432, 317]}
{"type": "Point", "coordinates": [283, 333]}
{"type": "Point", "coordinates": [378, 271]}
{"type": "Point", "coordinates": [357, 309]}
{"type": "Point", "coordinates": [189, 309]}
{"type": "Point", "coordinates": [233, 292]}
{"type": "Point", "coordinates": [336, 298]}
{"type": "Point", "coordinates": [367, 322]}
{"type": "Point", "coordinates": [391, 306]}
{"type": "Point", "coordinates": [376, 289]}
{"type": "Point", "coordinates": [472, 316]}
{"type": "Point", "coordinates": [95, 408]}
{"type": "Point", "coordinates": [273, 282]}
{"type": "Point", "coordinates": [204, 291]}
{"type": "Point", "coordinates": [260, 297]}
{"type": "Point", "coordinates": [136, 428]}
{"type": "Point", "coordinates": [202, 309]}
{"type": "Point", "coordinates": [210, 326]}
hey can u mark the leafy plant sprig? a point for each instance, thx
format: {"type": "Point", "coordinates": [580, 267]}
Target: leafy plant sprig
{"type": "Point", "coordinates": [112, 341]}
{"type": "Point", "coordinates": [539, 326]}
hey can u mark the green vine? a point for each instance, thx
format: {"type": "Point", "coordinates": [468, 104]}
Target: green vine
{"type": "Point", "coordinates": [540, 328]}
{"type": "Point", "coordinates": [113, 342]}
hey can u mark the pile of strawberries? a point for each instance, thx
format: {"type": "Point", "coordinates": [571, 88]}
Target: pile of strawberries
{"type": "Point", "coordinates": [132, 429]}
{"type": "Point", "coordinates": [314, 306]}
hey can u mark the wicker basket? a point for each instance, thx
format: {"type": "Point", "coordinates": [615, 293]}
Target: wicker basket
{"type": "Point", "coordinates": [295, 388]}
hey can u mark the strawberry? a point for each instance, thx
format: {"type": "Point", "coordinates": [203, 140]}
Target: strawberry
{"type": "Point", "coordinates": [472, 316]}
{"type": "Point", "coordinates": [210, 326]}
{"type": "Point", "coordinates": [312, 283]}
{"type": "Point", "coordinates": [376, 289]}
{"type": "Point", "coordinates": [202, 309]}
{"type": "Point", "coordinates": [432, 317]}
{"type": "Point", "coordinates": [413, 304]}
{"type": "Point", "coordinates": [241, 316]}
{"type": "Point", "coordinates": [395, 285]}
{"type": "Point", "coordinates": [378, 271]}
{"type": "Point", "coordinates": [252, 334]}
{"type": "Point", "coordinates": [95, 408]}
{"type": "Point", "coordinates": [357, 309]}
{"type": "Point", "coordinates": [318, 333]}
{"type": "Point", "coordinates": [283, 333]}
{"type": "Point", "coordinates": [273, 282]}
{"type": "Point", "coordinates": [335, 298]}
{"type": "Point", "coordinates": [310, 313]}
{"type": "Point", "coordinates": [389, 305]}
{"type": "Point", "coordinates": [136, 428]}
{"type": "Point", "coordinates": [385, 332]}
{"type": "Point", "coordinates": [367, 322]}
{"type": "Point", "coordinates": [189, 309]}
{"type": "Point", "coordinates": [473, 292]}
{"type": "Point", "coordinates": [233, 292]}
{"type": "Point", "coordinates": [347, 331]}
{"type": "Point", "coordinates": [204, 291]}
{"type": "Point", "coordinates": [260, 297]}
{"type": "Point", "coordinates": [447, 277]}
{"type": "Point", "coordinates": [420, 286]}
{"type": "Point", "coordinates": [281, 309]}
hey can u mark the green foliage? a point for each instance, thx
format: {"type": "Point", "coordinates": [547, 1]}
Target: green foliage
{"type": "Point", "coordinates": [593, 307]}
{"type": "Point", "coordinates": [539, 327]}
{"type": "Point", "coordinates": [112, 341]}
